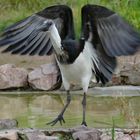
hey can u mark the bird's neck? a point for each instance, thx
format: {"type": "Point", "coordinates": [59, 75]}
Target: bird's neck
{"type": "Point", "coordinates": [75, 49]}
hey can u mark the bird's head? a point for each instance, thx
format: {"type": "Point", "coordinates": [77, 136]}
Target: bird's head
{"type": "Point", "coordinates": [53, 33]}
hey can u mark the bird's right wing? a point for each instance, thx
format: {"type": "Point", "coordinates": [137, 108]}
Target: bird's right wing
{"type": "Point", "coordinates": [24, 37]}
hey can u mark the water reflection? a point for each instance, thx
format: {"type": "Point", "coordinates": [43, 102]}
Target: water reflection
{"type": "Point", "coordinates": [36, 111]}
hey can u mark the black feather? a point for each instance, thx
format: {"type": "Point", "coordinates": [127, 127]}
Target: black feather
{"type": "Point", "coordinates": [24, 37]}
{"type": "Point", "coordinates": [111, 36]}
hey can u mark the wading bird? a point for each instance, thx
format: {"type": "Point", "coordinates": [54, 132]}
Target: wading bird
{"type": "Point", "coordinates": [104, 36]}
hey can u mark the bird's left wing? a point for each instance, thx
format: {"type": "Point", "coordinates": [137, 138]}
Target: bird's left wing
{"type": "Point", "coordinates": [110, 36]}
{"type": "Point", "coordinates": [112, 31]}
{"type": "Point", "coordinates": [25, 37]}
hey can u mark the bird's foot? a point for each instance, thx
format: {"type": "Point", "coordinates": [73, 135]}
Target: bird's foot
{"type": "Point", "coordinates": [59, 118]}
{"type": "Point", "coordinates": [84, 123]}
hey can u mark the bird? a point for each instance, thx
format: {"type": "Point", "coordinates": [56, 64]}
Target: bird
{"type": "Point", "coordinates": [104, 36]}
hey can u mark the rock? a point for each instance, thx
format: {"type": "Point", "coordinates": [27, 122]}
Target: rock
{"type": "Point", "coordinates": [51, 138]}
{"type": "Point", "coordinates": [84, 133]}
{"type": "Point", "coordinates": [117, 136]}
{"type": "Point", "coordinates": [124, 137]}
{"type": "Point", "coordinates": [76, 133]}
{"type": "Point", "coordinates": [105, 137]}
{"type": "Point", "coordinates": [37, 135]}
{"type": "Point", "coordinates": [9, 135]}
{"type": "Point", "coordinates": [127, 71]}
{"type": "Point", "coordinates": [45, 77]}
{"type": "Point", "coordinates": [8, 124]}
{"type": "Point", "coordinates": [12, 77]}
{"type": "Point", "coordinates": [131, 78]}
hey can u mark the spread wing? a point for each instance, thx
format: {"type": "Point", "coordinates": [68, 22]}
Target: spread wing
{"type": "Point", "coordinates": [110, 36]}
{"type": "Point", "coordinates": [25, 38]}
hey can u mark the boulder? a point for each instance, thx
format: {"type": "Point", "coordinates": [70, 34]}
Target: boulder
{"type": "Point", "coordinates": [117, 136]}
{"type": "Point", "coordinates": [12, 77]}
{"type": "Point", "coordinates": [76, 133]}
{"type": "Point", "coordinates": [84, 133]}
{"type": "Point", "coordinates": [45, 77]}
{"type": "Point", "coordinates": [125, 137]}
{"type": "Point", "coordinates": [105, 137]}
{"type": "Point", "coordinates": [10, 135]}
{"type": "Point", "coordinates": [37, 135]}
{"type": "Point", "coordinates": [8, 124]}
{"type": "Point", "coordinates": [127, 71]}
{"type": "Point", "coordinates": [34, 135]}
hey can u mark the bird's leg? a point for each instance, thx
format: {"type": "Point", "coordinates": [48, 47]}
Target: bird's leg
{"type": "Point", "coordinates": [60, 116]}
{"type": "Point", "coordinates": [84, 110]}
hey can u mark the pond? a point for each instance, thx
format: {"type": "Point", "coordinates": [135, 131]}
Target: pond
{"type": "Point", "coordinates": [35, 109]}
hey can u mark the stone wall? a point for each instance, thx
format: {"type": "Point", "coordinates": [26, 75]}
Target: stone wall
{"type": "Point", "coordinates": [47, 76]}
{"type": "Point", "coordinates": [127, 71]}
{"type": "Point", "coordinates": [10, 131]}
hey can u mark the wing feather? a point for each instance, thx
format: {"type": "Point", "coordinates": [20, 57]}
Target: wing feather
{"type": "Point", "coordinates": [111, 36]}
{"type": "Point", "coordinates": [121, 39]}
{"type": "Point", "coordinates": [45, 49]}
{"type": "Point", "coordinates": [24, 37]}
{"type": "Point", "coordinates": [10, 40]}
{"type": "Point", "coordinates": [18, 25]}
{"type": "Point", "coordinates": [33, 44]}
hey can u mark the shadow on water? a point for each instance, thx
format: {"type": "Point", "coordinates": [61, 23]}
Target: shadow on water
{"type": "Point", "coordinates": [37, 110]}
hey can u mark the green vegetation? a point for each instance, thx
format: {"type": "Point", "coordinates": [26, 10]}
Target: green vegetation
{"type": "Point", "coordinates": [113, 129]}
{"type": "Point", "coordinates": [15, 10]}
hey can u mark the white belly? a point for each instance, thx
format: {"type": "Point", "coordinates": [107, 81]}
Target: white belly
{"type": "Point", "coordinates": [77, 73]}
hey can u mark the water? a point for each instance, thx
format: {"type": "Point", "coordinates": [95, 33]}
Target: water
{"type": "Point", "coordinates": [35, 110]}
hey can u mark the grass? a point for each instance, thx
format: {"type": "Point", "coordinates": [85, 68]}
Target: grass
{"type": "Point", "coordinates": [113, 130]}
{"type": "Point", "coordinates": [12, 11]}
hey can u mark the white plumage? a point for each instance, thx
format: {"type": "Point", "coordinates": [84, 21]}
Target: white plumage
{"type": "Point", "coordinates": [79, 72]}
